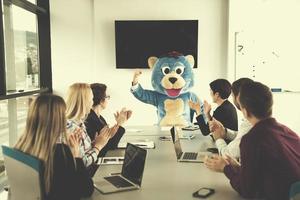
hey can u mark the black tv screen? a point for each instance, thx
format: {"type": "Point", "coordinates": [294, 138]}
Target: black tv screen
{"type": "Point", "coordinates": [136, 41]}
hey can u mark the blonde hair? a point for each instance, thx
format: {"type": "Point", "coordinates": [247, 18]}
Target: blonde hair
{"type": "Point", "coordinates": [77, 101]}
{"type": "Point", "coordinates": [46, 122]}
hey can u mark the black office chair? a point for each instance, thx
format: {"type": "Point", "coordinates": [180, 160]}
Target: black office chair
{"type": "Point", "coordinates": [24, 174]}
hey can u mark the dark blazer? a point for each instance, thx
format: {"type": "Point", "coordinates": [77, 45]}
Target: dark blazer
{"type": "Point", "coordinates": [69, 181]}
{"type": "Point", "coordinates": [94, 124]}
{"type": "Point", "coordinates": [225, 113]}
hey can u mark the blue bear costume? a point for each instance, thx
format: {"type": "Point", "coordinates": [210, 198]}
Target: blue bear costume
{"type": "Point", "coordinates": [172, 77]}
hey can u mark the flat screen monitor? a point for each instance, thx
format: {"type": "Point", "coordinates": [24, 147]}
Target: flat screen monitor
{"type": "Point", "coordinates": [136, 41]}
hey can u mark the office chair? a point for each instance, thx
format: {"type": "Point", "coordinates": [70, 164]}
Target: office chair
{"type": "Point", "coordinates": [25, 175]}
{"type": "Point", "coordinates": [295, 191]}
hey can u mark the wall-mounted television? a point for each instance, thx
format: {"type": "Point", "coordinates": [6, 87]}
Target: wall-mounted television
{"type": "Point", "coordinates": [137, 40]}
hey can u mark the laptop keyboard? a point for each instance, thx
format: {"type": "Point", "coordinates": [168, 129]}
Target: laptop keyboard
{"type": "Point", "coordinates": [190, 156]}
{"type": "Point", "coordinates": [118, 181]}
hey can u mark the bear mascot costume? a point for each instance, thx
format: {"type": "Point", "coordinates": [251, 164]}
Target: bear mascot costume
{"type": "Point", "coordinates": [172, 77]}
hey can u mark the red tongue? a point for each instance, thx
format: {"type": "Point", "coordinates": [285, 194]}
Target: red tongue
{"type": "Point", "coordinates": [173, 92]}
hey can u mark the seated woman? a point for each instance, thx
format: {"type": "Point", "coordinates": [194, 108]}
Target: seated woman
{"type": "Point", "coordinates": [95, 122]}
{"type": "Point", "coordinates": [220, 90]}
{"type": "Point", "coordinates": [79, 102]}
{"type": "Point", "coordinates": [65, 176]}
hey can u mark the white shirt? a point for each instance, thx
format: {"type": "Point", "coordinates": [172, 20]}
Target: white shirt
{"type": "Point", "coordinates": [233, 148]}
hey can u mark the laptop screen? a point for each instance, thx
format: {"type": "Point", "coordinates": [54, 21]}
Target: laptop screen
{"type": "Point", "coordinates": [175, 139]}
{"type": "Point", "coordinates": [134, 163]}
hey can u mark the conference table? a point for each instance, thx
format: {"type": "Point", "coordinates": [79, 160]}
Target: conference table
{"type": "Point", "coordinates": [164, 177]}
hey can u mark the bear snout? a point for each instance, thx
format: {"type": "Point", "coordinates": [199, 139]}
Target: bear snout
{"type": "Point", "coordinates": [172, 80]}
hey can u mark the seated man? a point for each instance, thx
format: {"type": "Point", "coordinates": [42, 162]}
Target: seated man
{"type": "Point", "coordinates": [270, 151]}
{"type": "Point", "coordinates": [220, 133]}
{"type": "Point", "coordinates": [220, 90]}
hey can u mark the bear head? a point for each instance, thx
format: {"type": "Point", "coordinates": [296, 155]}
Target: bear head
{"type": "Point", "coordinates": [172, 74]}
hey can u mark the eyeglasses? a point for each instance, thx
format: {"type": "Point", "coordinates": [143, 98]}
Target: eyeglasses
{"type": "Point", "coordinates": [107, 97]}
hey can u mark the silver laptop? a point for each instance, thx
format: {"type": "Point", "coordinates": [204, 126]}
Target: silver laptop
{"type": "Point", "coordinates": [185, 156]}
{"type": "Point", "coordinates": [131, 175]}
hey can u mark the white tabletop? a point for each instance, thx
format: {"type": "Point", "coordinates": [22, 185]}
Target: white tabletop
{"type": "Point", "coordinates": [146, 130]}
{"type": "Point", "coordinates": [164, 177]}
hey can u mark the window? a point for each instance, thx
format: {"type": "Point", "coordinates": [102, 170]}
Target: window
{"type": "Point", "coordinates": [24, 48]}
{"type": "Point", "coordinates": [21, 49]}
{"type": "Point", "coordinates": [13, 113]}
{"type": "Point", "coordinates": [25, 64]}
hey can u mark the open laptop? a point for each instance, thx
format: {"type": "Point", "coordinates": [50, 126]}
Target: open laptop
{"type": "Point", "coordinates": [185, 156]}
{"type": "Point", "coordinates": [131, 175]}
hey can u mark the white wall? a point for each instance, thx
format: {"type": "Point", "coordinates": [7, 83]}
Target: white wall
{"type": "Point", "coordinates": [212, 46]}
{"type": "Point", "coordinates": [83, 46]}
{"type": "Point", "coordinates": [270, 37]}
{"type": "Point", "coordinates": [272, 24]}
{"type": "Point", "coordinates": [286, 110]}
{"type": "Point", "coordinates": [72, 42]}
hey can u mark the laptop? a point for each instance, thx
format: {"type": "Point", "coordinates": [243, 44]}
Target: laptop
{"type": "Point", "coordinates": [185, 156]}
{"type": "Point", "coordinates": [131, 175]}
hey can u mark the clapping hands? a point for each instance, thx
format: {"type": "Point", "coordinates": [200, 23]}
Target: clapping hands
{"type": "Point", "coordinates": [217, 129]}
{"type": "Point", "coordinates": [103, 136]}
{"type": "Point", "coordinates": [207, 108]}
{"type": "Point", "coordinates": [74, 142]}
{"type": "Point", "coordinates": [195, 106]}
{"type": "Point", "coordinates": [122, 116]}
{"type": "Point", "coordinates": [217, 163]}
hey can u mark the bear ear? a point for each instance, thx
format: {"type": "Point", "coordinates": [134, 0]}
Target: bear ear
{"type": "Point", "coordinates": [190, 59]}
{"type": "Point", "coordinates": [151, 61]}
